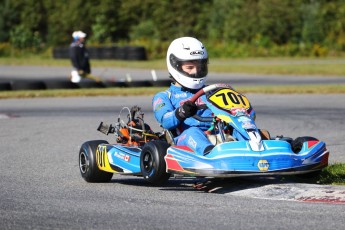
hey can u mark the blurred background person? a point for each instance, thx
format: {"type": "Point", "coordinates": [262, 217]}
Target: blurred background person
{"type": "Point", "coordinates": [79, 57]}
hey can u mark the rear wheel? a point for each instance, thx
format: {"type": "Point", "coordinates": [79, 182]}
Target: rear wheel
{"type": "Point", "coordinates": [152, 164]}
{"type": "Point", "coordinates": [88, 165]}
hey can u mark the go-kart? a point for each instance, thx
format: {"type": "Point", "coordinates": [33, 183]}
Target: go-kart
{"type": "Point", "coordinates": [241, 149]}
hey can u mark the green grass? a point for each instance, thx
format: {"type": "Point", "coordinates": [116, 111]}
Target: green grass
{"type": "Point", "coordinates": [274, 66]}
{"type": "Point", "coordinates": [285, 89]}
{"type": "Point", "coordinates": [285, 66]}
{"type": "Point", "coordinates": [333, 174]}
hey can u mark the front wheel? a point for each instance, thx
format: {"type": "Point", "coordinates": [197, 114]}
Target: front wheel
{"type": "Point", "coordinates": [152, 164]}
{"type": "Point", "coordinates": [297, 144]}
{"type": "Point", "coordinates": [88, 165]}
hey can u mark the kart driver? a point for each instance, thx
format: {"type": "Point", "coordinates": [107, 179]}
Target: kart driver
{"type": "Point", "coordinates": [187, 61]}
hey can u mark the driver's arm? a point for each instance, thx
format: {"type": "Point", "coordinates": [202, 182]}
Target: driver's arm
{"type": "Point", "coordinates": [164, 111]}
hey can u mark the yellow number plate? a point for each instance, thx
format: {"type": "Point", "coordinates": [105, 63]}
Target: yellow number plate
{"type": "Point", "coordinates": [228, 99]}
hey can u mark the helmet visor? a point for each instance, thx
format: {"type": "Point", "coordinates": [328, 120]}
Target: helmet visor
{"type": "Point", "coordinates": [190, 68]}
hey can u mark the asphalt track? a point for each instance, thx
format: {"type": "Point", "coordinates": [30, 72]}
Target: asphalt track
{"type": "Point", "coordinates": [41, 187]}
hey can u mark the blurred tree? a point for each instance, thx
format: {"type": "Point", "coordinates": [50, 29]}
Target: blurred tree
{"type": "Point", "coordinates": [106, 25]}
{"type": "Point", "coordinates": [144, 30]}
{"type": "Point", "coordinates": [218, 14]}
{"type": "Point", "coordinates": [227, 24]}
{"type": "Point", "coordinates": [176, 18]}
{"type": "Point", "coordinates": [280, 20]}
{"type": "Point", "coordinates": [312, 28]}
{"type": "Point", "coordinates": [67, 16]}
{"type": "Point", "coordinates": [9, 11]}
{"type": "Point", "coordinates": [137, 15]}
{"type": "Point", "coordinates": [242, 22]}
{"type": "Point", "coordinates": [333, 23]}
{"type": "Point", "coordinates": [29, 33]}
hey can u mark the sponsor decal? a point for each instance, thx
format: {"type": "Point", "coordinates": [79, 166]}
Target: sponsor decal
{"type": "Point", "coordinates": [238, 112]}
{"type": "Point", "coordinates": [122, 156]}
{"type": "Point", "coordinates": [248, 125]}
{"type": "Point", "coordinates": [159, 107]}
{"type": "Point", "coordinates": [263, 165]}
{"type": "Point", "coordinates": [169, 114]}
{"type": "Point", "coordinates": [100, 155]}
{"type": "Point", "coordinates": [246, 122]}
{"type": "Point", "coordinates": [180, 95]}
{"type": "Point", "coordinates": [197, 52]}
{"type": "Point", "coordinates": [191, 142]}
{"type": "Point", "coordinates": [181, 138]}
{"type": "Point", "coordinates": [244, 119]}
{"type": "Point", "coordinates": [156, 102]}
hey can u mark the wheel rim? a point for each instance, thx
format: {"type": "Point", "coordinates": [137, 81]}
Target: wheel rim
{"type": "Point", "coordinates": [83, 163]}
{"type": "Point", "coordinates": [148, 162]}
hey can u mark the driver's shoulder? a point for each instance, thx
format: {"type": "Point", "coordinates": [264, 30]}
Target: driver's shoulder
{"type": "Point", "coordinates": [163, 94]}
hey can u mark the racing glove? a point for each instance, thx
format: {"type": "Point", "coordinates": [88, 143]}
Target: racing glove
{"type": "Point", "coordinates": [188, 109]}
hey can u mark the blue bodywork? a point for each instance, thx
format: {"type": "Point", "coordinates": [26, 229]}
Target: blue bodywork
{"type": "Point", "coordinates": [236, 158]}
{"type": "Point", "coordinates": [118, 158]}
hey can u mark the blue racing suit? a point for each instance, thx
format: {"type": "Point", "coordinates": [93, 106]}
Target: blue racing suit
{"type": "Point", "coordinates": [190, 132]}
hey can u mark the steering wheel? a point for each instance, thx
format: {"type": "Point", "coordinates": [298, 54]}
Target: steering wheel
{"type": "Point", "coordinates": [208, 89]}
{"type": "Point", "coordinates": [202, 92]}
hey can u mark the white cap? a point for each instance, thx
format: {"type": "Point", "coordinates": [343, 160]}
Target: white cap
{"type": "Point", "coordinates": [78, 34]}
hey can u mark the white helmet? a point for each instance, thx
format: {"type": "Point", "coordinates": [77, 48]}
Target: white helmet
{"type": "Point", "coordinates": [187, 49]}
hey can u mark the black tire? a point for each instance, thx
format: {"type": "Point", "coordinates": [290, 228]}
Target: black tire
{"type": "Point", "coordinates": [28, 85]}
{"type": "Point", "coordinates": [60, 84]}
{"type": "Point", "coordinates": [5, 86]}
{"type": "Point", "coordinates": [94, 52]}
{"type": "Point", "coordinates": [88, 165]}
{"type": "Point", "coordinates": [61, 52]}
{"type": "Point", "coordinates": [109, 84]}
{"type": "Point", "coordinates": [297, 144]}
{"type": "Point", "coordinates": [90, 84]}
{"type": "Point", "coordinates": [136, 53]}
{"type": "Point", "coordinates": [160, 83]}
{"type": "Point", "coordinates": [139, 84]}
{"type": "Point", "coordinates": [108, 52]}
{"type": "Point", "coordinates": [121, 53]}
{"type": "Point", "coordinates": [152, 164]}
